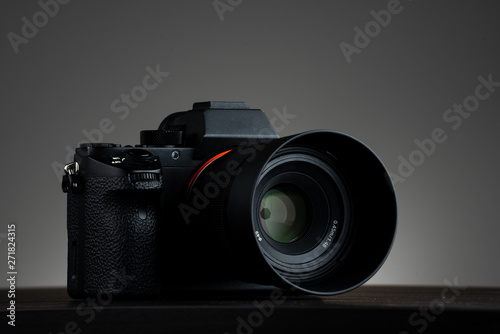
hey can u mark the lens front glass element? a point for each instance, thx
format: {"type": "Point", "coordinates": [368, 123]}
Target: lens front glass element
{"type": "Point", "coordinates": [285, 213]}
{"type": "Point", "coordinates": [302, 214]}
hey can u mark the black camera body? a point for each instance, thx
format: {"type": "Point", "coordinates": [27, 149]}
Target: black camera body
{"type": "Point", "coordinates": [215, 194]}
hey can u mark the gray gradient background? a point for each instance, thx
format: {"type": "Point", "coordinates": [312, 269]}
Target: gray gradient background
{"type": "Point", "coordinates": [270, 54]}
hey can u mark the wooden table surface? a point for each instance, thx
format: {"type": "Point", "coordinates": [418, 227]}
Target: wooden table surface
{"type": "Point", "coordinates": [383, 309]}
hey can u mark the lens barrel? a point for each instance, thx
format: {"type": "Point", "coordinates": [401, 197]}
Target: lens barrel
{"type": "Point", "coordinates": [314, 212]}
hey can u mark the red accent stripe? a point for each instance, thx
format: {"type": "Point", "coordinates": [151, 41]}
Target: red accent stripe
{"type": "Point", "coordinates": [202, 168]}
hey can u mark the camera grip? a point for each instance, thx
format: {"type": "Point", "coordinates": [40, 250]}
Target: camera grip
{"type": "Point", "coordinates": [112, 238]}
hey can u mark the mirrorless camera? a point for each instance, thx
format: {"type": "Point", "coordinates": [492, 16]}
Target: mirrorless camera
{"type": "Point", "coordinates": [215, 195]}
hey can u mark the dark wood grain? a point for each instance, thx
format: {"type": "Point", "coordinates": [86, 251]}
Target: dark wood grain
{"type": "Point", "coordinates": [388, 309]}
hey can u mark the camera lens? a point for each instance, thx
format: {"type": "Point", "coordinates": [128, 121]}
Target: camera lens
{"type": "Point", "coordinates": [312, 220]}
{"type": "Point", "coordinates": [285, 213]}
{"type": "Point", "coordinates": [314, 212]}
